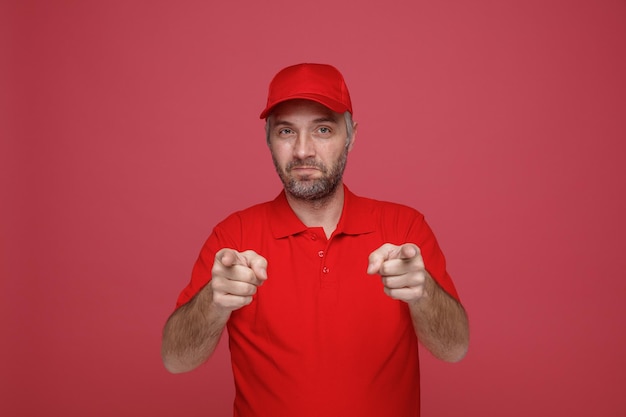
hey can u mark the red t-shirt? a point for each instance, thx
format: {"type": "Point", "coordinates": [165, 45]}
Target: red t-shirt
{"type": "Point", "coordinates": [321, 338]}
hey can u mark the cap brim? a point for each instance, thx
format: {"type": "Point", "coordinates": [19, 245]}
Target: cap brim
{"type": "Point", "coordinates": [333, 105]}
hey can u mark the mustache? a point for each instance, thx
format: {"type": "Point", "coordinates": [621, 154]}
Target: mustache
{"type": "Point", "coordinates": [308, 162]}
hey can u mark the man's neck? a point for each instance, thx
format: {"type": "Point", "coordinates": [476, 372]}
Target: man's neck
{"type": "Point", "coordinates": [323, 213]}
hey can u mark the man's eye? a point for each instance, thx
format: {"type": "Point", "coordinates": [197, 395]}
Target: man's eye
{"type": "Point", "coordinates": [285, 131]}
{"type": "Point", "coordinates": [324, 130]}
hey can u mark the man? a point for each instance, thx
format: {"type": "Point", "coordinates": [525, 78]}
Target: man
{"type": "Point", "coordinates": [312, 330]}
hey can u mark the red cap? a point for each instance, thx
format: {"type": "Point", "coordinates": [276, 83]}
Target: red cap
{"type": "Point", "coordinates": [318, 82]}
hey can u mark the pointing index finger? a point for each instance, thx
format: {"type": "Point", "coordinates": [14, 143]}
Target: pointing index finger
{"type": "Point", "coordinates": [408, 251]}
{"type": "Point", "coordinates": [379, 256]}
{"type": "Point", "coordinates": [258, 264]}
{"type": "Point", "coordinates": [249, 259]}
{"type": "Point", "coordinates": [388, 252]}
{"type": "Point", "coordinates": [229, 257]}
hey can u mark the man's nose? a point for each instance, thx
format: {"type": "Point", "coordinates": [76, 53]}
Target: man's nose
{"type": "Point", "coordinates": [304, 146]}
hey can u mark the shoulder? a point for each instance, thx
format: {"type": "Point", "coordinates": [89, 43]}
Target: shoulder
{"type": "Point", "coordinates": [387, 221]}
{"type": "Point", "coordinates": [256, 214]}
{"type": "Point", "coordinates": [386, 209]}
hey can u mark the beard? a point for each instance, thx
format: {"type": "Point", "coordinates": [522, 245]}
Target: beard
{"type": "Point", "coordinates": [308, 188]}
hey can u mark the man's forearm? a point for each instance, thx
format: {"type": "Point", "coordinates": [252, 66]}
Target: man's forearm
{"type": "Point", "coordinates": [440, 323]}
{"type": "Point", "coordinates": [192, 333]}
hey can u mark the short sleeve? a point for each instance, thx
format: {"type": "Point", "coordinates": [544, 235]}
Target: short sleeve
{"type": "Point", "coordinates": [221, 237]}
{"type": "Point", "coordinates": [422, 235]}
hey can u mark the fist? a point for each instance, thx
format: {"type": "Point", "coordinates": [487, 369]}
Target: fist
{"type": "Point", "coordinates": [401, 269]}
{"type": "Point", "coordinates": [236, 277]}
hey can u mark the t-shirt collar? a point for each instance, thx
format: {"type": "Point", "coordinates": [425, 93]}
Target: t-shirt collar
{"type": "Point", "coordinates": [356, 217]}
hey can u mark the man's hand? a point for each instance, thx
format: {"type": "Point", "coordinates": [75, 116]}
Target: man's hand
{"type": "Point", "coordinates": [402, 271]}
{"type": "Point", "coordinates": [193, 331]}
{"type": "Point", "coordinates": [235, 278]}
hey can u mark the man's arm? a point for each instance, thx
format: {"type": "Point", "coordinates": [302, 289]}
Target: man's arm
{"type": "Point", "coordinates": [439, 320]}
{"type": "Point", "coordinates": [193, 330]}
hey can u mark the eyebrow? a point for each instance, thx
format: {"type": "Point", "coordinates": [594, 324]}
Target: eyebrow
{"type": "Point", "coordinates": [325, 120]}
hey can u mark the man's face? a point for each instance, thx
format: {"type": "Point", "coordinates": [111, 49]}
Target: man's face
{"type": "Point", "coordinates": [309, 147]}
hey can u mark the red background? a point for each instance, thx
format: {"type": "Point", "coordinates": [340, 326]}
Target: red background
{"type": "Point", "coordinates": [129, 128]}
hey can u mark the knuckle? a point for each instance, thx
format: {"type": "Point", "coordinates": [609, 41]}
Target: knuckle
{"type": "Point", "coordinates": [390, 282]}
{"type": "Point", "coordinates": [242, 302]}
{"type": "Point", "coordinates": [248, 275]}
{"type": "Point", "coordinates": [416, 293]}
{"type": "Point", "coordinates": [216, 268]}
{"type": "Point", "coordinates": [220, 299]}
{"type": "Point", "coordinates": [249, 289]}
{"type": "Point", "coordinates": [216, 283]}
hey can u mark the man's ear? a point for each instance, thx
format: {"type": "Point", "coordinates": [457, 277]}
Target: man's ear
{"type": "Point", "coordinates": [353, 138]}
{"type": "Point", "coordinates": [268, 126]}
